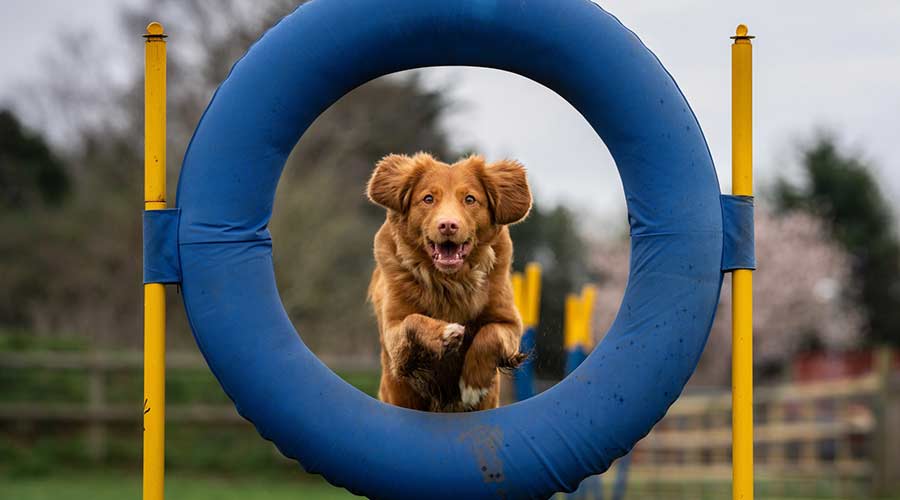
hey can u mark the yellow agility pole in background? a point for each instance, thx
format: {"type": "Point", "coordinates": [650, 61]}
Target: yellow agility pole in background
{"type": "Point", "coordinates": [154, 293]}
{"type": "Point", "coordinates": [527, 294]}
{"type": "Point", "coordinates": [532, 295]}
{"type": "Point", "coordinates": [572, 322]}
{"type": "Point", "coordinates": [579, 314]}
{"type": "Point", "coordinates": [742, 279]}
{"type": "Point", "coordinates": [518, 287]}
{"type": "Point", "coordinates": [578, 338]}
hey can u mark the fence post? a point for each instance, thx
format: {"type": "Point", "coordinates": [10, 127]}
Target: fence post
{"type": "Point", "coordinates": [887, 435]}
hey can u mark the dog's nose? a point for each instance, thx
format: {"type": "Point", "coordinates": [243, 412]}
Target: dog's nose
{"type": "Point", "coordinates": [448, 227]}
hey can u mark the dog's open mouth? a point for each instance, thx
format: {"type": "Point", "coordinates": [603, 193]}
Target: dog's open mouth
{"type": "Point", "coordinates": [449, 255]}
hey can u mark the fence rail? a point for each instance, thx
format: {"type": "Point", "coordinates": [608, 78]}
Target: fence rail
{"type": "Point", "coordinates": [837, 431]}
{"type": "Point", "coordinates": [96, 412]}
{"type": "Point", "coordinates": [134, 360]}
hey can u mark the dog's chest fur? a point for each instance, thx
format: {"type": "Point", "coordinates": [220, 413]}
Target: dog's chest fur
{"type": "Point", "coordinates": [457, 298]}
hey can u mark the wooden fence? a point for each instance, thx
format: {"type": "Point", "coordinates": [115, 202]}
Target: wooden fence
{"type": "Point", "coordinates": [96, 413]}
{"type": "Point", "coordinates": [842, 436]}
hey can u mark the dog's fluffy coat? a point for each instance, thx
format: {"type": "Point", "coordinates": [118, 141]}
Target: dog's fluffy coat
{"type": "Point", "coordinates": [441, 288]}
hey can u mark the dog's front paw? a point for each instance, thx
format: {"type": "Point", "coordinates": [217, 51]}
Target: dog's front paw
{"type": "Point", "coordinates": [479, 374]}
{"type": "Point", "coordinates": [432, 339]}
{"type": "Point", "coordinates": [452, 336]}
{"type": "Point", "coordinates": [471, 396]}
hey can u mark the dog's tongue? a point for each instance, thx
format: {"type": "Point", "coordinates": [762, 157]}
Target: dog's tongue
{"type": "Point", "coordinates": [448, 256]}
{"type": "Point", "coordinates": [448, 252]}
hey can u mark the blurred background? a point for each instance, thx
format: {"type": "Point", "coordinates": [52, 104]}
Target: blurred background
{"type": "Point", "coordinates": [827, 92]}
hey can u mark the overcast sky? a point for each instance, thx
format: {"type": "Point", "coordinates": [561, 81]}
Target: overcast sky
{"type": "Point", "coordinates": [818, 63]}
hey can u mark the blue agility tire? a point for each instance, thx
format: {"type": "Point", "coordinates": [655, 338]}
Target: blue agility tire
{"type": "Point", "coordinates": [530, 449]}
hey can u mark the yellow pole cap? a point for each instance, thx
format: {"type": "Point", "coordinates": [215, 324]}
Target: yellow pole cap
{"type": "Point", "coordinates": [155, 30]}
{"type": "Point", "coordinates": [741, 33]}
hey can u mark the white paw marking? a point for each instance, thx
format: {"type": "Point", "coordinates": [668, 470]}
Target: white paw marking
{"type": "Point", "coordinates": [471, 396]}
{"type": "Point", "coordinates": [451, 331]}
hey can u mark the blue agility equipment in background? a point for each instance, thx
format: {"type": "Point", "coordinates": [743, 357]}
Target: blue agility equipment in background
{"type": "Point", "coordinates": [523, 377]}
{"type": "Point", "coordinates": [530, 449]}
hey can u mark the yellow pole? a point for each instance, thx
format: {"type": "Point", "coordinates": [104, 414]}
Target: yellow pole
{"type": "Point", "coordinates": [571, 322]}
{"type": "Point", "coordinates": [742, 279]}
{"type": "Point", "coordinates": [532, 294]}
{"type": "Point", "coordinates": [588, 298]}
{"type": "Point", "coordinates": [518, 295]}
{"type": "Point", "coordinates": [154, 293]}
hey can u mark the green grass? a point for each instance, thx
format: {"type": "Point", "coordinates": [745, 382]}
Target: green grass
{"type": "Point", "coordinates": [118, 486]}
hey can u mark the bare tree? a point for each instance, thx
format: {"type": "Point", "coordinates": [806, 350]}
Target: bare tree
{"type": "Point", "coordinates": [85, 260]}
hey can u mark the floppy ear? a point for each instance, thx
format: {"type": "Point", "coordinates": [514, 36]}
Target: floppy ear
{"type": "Point", "coordinates": [392, 182]}
{"type": "Point", "coordinates": [509, 196]}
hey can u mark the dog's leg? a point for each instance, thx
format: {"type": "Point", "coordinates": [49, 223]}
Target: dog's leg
{"type": "Point", "coordinates": [496, 345]}
{"type": "Point", "coordinates": [417, 341]}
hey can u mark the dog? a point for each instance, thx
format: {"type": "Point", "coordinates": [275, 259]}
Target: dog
{"type": "Point", "coordinates": [441, 286]}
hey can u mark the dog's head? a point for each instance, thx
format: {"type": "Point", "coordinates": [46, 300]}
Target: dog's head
{"type": "Point", "coordinates": [447, 211]}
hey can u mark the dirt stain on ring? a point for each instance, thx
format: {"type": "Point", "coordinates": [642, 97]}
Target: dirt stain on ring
{"type": "Point", "coordinates": [484, 442]}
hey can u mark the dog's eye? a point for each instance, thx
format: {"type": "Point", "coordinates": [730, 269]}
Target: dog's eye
{"type": "Point", "coordinates": [470, 199]}
{"type": "Point", "coordinates": [428, 199]}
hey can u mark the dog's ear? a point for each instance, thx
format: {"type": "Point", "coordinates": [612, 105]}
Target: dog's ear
{"type": "Point", "coordinates": [509, 197]}
{"type": "Point", "coordinates": [392, 182]}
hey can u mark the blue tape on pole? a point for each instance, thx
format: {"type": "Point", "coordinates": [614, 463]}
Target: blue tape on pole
{"type": "Point", "coordinates": [161, 262]}
{"type": "Point", "coordinates": [530, 449]}
{"type": "Point", "coordinates": [739, 250]}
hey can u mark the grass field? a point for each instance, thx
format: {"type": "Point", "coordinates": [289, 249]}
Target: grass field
{"type": "Point", "coordinates": [119, 486]}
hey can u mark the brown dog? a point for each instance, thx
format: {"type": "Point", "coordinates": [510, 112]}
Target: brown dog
{"type": "Point", "coordinates": [441, 288]}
